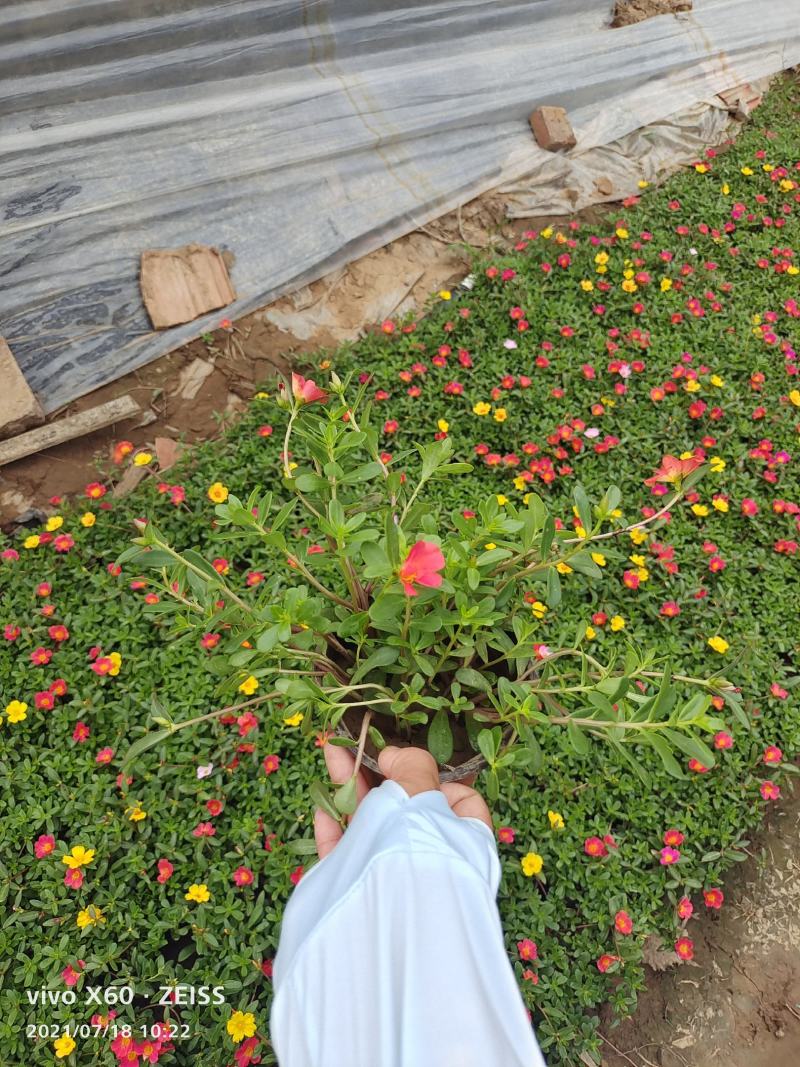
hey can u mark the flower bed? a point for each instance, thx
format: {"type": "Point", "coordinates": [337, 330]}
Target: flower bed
{"type": "Point", "coordinates": [587, 354]}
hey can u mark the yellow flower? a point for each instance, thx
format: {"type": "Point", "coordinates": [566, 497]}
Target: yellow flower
{"type": "Point", "coordinates": [601, 257]}
{"type": "Point", "coordinates": [547, 233]}
{"type": "Point", "coordinates": [563, 568]}
{"type": "Point", "coordinates": [501, 500]}
{"type": "Point", "coordinates": [720, 504]}
{"type": "Point", "coordinates": [137, 814]}
{"type": "Point", "coordinates": [617, 623]}
{"type": "Point", "coordinates": [31, 542]}
{"type": "Point", "coordinates": [692, 386]}
{"type": "Point", "coordinates": [716, 381]}
{"type": "Point", "coordinates": [701, 168]}
{"type": "Point", "coordinates": [443, 425]}
{"type": "Point", "coordinates": [793, 270]}
{"type": "Point", "coordinates": [520, 483]}
{"type": "Point", "coordinates": [637, 559]}
{"type": "Point", "coordinates": [746, 171]}
{"type": "Point", "coordinates": [794, 397]}
{"type": "Point", "coordinates": [642, 183]}
{"type": "Point", "coordinates": [756, 320]}
{"type": "Point", "coordinates": [587, 286]}
{"type": "Point", "coordinates": [16, 711]}
{"type": "Point", "coordinates": [532, 863]}
{"type": "Point", "coordinates": [88, 518]}
{"type": "Point", "coordinates": [141, 459]}
{"type": "Point", "coordinates": [768, 168]}
{"type": "Point", "coordinates": [629, 286]}
{"type": "Point", "coordinates": [719, 644]}
{"type": "Point", "coordinates": [580, 531]}
{"type": "Point", "coordinates": [539, 609]}
{"type": "Point", "coordinates": [481, 408]}
{"type": "Point", "coordinates": [717, 464]}
{"type": "Point", "coordinates": [198, 893]}
{"type": "Point", "coordinates": [489, 546]}
{"type": "Point", "coordinates": [116, 659]}
{"type": "Point", "coordinates": [666, 285]}
{"type": "Point", "coordinates": [90, 916]}
{"type": "Point", "coordinates": [621, 233]}
{"type": "Point", "coordinates": [445, 294]}
{"type": "Point", "coordinates": [63, 1046]}
{"type": "Point", "coordinates": [241, 1025]}
{"type": "Point", "coordinates": [786, 185]}
{"type": "Point", "coordinates": [55, 522]}
{"type": "Point", "coordinates": [78, 857]}
{"type": "Point", "coordinates": [599, 559]}
{"type": "Point", "coordinates": [601, 269]}
{"type": "Point", "coordinates": [217, 493]}
{"type": "Point", "coordinates": [295, 720]}
{"type": "Point", "coordinates": [556, 820]}
{"type": "Point", "coordinates": [591, 633]}
{"type": "Point", "coordinates": [638, 536]}
{"type": "Point", "coordinates": [500, 415]}
{"type": "Point", "coordinates": [249, 685]}
{"type": "Point", "coordinates": [616, 513]}
{"type": "Point", "coordinates": [643, 574]}
{"type": "Point", "coordinates": [700, 510]}
{"type": "Point", "coordinates": [726, 189]}
{"type": "Point", "coordinates": [627, 273]}
{"type": "Point", "coordinates": [265, 396]}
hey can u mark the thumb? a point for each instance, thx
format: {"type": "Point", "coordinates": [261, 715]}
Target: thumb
{"type": "Point", "coordinates": [414, 769]}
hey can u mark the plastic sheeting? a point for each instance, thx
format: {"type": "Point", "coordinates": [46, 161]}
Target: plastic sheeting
{"type": "Point", "coordinates": [298, 135]}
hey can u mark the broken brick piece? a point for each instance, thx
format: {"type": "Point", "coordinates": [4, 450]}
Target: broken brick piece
{"type": "Point", "coordinates": [741, 100]}
{"type": "Point", "coordinates": [19, 408]}
{"type": "Point", "coordinates": [181, 284]}
{"type": "Point", "coordinates": [552, 129]}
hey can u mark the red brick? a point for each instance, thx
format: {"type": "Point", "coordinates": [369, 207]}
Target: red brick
{"type": "Point", "coordinates": [552, 129]}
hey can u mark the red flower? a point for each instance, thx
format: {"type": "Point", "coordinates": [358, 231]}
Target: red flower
{"type": "Point", "coordinates": [43, 846]}
{"type": "Point", "coordinates": [209, 641]}
{"type": "Point", "coordinates": [696, 766]}
{"type": "Point", "coordinates": [58, 633]}
{"type": "Point", "coordinates": [266, 968]}
{"type": "Point", "coordinates": [674, 838]}
{"type": "Point", "coordinates": [684, 946]}
{"type": "Point", "coordinates": [41, 656]}
{"type": "Point", "coordinates": [722, 739]}
{"type": "Point", "coordinates": [305, 390]}
{"type": "Point", "coordinates": [74, 879]}
{"type": "Point", "coordinates": [44, 589]}
{"type": "Point", "coordinates": [422, 565]}
{"type": "Point", "coordinates": [95, 490]}
{"type": "Point", "coordinates": [623, 922]}
{"type": "Point", "coordinates": [714, 898]}
{"type": "Point", "coordinates": [685, 908]}
{"type": "Point", "coordinates": [606, 961]}
{"type": "Point", "coordinates": [593, 846]}
{"type": "Point", "coordinates": [64, 542]}
{"type": "Point", "coordinates": [105, 755]}
{"type": "Point", "coordinates": [527, 949]}
{"type": "Point", "coordinates": [670, 609]}
{"type": "Point", "coordinates": [243, 876]}
{"type": "Point", "coordinates": [81, 732]}
{"type": "Point", "coordinates": [11, 633]}
{"type": "Point", "coordinates": [203, 829]}
{"type": "Point", "coordinates": [44, 700]}
{"type": "Point", "coordinates": [58, 688]}
{"type": "Point", "coordinates": [214, 807]}
{"type": "Point", "coordinates": [271, 764]}
{"type": "Point", "coordinates": [769, 790]}
{"type": "Point", "coordinates": [772, 755]}
{"type": "Point", "coordinates": [165, 870]}
{"type": "Point", "coordinates": [506, 835]}
{"type": "Point", "coordinates": [296, 875]}
{"type": "Point", "coordinates": [673, 469]}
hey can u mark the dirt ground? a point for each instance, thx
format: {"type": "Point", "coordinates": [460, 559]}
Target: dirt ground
{"type": "Point", "coordinates": [194, 392]}
{"type": "Point", "coordinates": [629, 11]}
{"type": "Point", "coordinates": [737, 1004]}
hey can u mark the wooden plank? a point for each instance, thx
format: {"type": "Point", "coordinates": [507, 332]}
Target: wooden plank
{"type": "Point", "coordinates": [55, 433]}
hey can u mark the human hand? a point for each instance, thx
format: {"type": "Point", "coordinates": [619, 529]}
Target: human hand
{"type": "Point", "coordinates": [414, 769]}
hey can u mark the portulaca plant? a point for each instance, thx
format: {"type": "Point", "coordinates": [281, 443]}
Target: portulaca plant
{"type": "Point", "coordinates": [410, 626]}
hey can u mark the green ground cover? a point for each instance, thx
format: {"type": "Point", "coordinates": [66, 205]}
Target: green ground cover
{"type": "Point", "coordinates": [582, 353]}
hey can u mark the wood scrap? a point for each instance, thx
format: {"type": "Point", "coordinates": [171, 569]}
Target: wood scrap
{"type": "Point", "coordinates": [55, 433]}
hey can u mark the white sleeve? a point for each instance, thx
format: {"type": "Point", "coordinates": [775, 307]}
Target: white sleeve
{"type": "Point", "coordinates": [391, 951]}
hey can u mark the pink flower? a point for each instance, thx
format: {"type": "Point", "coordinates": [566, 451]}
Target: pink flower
{"type": "Point", "coordinates": [722, 739]}
{"type": "Point", "coordinates": [422, 565]}
{"type": "Point", "coordinates": [769, 790]}
{"type": "Point", "coordinates": [165, 870]}
{"type": "Point", "coordinates": [673, 838]}
{"type": "Point", "coordinates": [713, 898]}
{"type": "Point", "coordinates": [81, 732]}
{"type": "Point", "coordinates": [72, 974]}
{"type": "Point", "coordinates": [73, 879]}
{"type": "Point", "coordinates": [305, 390]}
{"type": "Point", "coordinates": [673, 469]}
{"type": "Point", "coordinates": [247, 1052]}
{"type": "Point", "coordinates": [684, 946]}
{"type": "Point", "coordinates": [749, 507]}
{"type": "Point", "coordinates": [527, 949]}
{"type": "Point", "coordinates": [669, 856]}
{"type": "Point", "coordinates": [593, 846]}
{"type": "Point", "coordinates": [209, 641]}
{"type": "Point", "coordinates": [271, 764]}
{"type": "Point", "coordinates": [214, 807]}
{"type": "Point", "coordinates": [43, 846]}
{"type": "Point", "coordinates": [10, 632]}
{"type": "Point", "coordinates": [685, 908]}
{"type": "Point", "coordinates": [243, 876]}
{"type": "Point", "coordinates": [105, 755]}
{"type": "Point", "coordinates": [506, 835]}
{"type": "Point", "coordinates": [670, 609]}
{"type": "Point", "coordinates": [623, 922]}
{"type": "Point", "coordinates": [203, 829]}
{"type": "Point", "coordinates": [296, 875]}
{"type": "Point", "coordinates": [606, 961]}
{"type": "Point", "coordinates": [696, 766]}
{"type": "Point", "coordinates": [772, 755]}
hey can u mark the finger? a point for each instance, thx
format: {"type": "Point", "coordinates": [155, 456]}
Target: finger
{"type": "Point", "coordinates": [340, 763]}
{"type": "Point", "coordinates": [414, 769]}
{"type": "Point", "coordinates": [467, 803]}
{"type": "Point", "coordinates": [327, 832]}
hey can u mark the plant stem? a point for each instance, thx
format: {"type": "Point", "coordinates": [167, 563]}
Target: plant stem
{"type": "Point", "coordinates": [295, 562]}
{"type": "Point", "coordinates": [362, 740]}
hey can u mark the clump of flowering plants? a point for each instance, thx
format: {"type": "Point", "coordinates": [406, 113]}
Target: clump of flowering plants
{"type": "Point", "coordinates": [392, 628]}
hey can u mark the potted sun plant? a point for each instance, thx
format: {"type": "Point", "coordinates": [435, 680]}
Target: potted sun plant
{"type": "Point", "coordinates": [405, 626]}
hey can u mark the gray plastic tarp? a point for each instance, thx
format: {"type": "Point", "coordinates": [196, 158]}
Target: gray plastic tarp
{"type": "Point", "coordinates": [298, 135]}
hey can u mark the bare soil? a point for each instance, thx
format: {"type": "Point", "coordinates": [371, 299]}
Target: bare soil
{"type": "Point", "coordinates": [737, 1004]}
{"type": "Point", "coordinates": [629, 11]}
